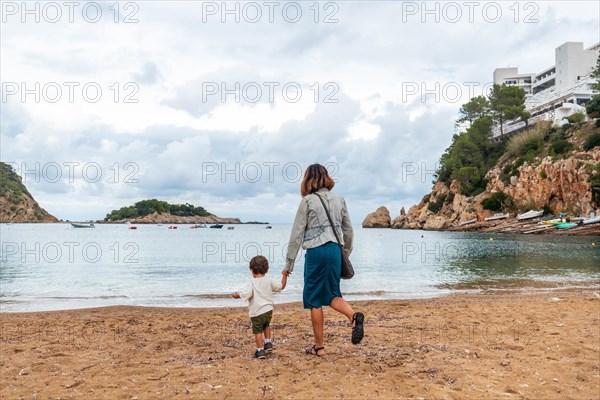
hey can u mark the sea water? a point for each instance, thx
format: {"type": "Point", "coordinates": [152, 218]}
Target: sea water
{"type": "Point", "coordinates": [56, 266]}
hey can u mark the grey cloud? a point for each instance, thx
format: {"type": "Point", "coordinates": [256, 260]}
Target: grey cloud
{"type": "Point", "coordinates": [13, 119]}
{"type": "Point", "coordinates": [198, 96]}
{"type": "Point", "coordinates": [149, 74]}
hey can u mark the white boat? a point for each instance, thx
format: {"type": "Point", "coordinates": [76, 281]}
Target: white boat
{"type": "Point", "coordinates": [530, 215]}
{"type": "Point", "coordinates": [469, 222]}
{"type": "Point", "coordinates": [82, 225]}
{"type": "Point", "coordinates": [497, 216]}
{"type": "Point", "coordinates": [589, 221]}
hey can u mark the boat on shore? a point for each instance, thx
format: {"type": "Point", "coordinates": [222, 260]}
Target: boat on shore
{"type": "Point", "coordinates": [555, 221]}
{"type": "Point", "coordinates": [469, 222]}
{"type": "Point", "coordinates": [217, 226]}
{"type": "Point", "coordinates": [592, 220]}
{"type": "Point", "coordinates": [530, 215]}
{"type": "Point", "coordinates": [82, 225]}
{"type": "Point", "coordinates": [497, 216]}
{"type": "Point", "coordinates": [566, 225]}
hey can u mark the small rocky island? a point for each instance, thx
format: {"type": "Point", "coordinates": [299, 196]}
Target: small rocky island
{"type": "Point", "coordinates": [16, 203]}
{"type": "Point", "coordinates": [155, 211]}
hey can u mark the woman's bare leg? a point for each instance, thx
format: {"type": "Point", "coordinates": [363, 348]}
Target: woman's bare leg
{"type": "Point", "coordinates": [340, 305]}
{"type": "Point", "coordinates": [317, 318]}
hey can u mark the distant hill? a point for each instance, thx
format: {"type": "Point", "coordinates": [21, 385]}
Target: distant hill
{"type": "Point", "coordinates": [157, 211]}
{"type": "Point", "coordinates": [16, 203]}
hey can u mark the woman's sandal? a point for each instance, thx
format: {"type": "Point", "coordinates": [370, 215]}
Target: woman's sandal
{"type": "Point", "coordinates": [358, 331]}
{"type": "Point", "coordinates": [314, 350]}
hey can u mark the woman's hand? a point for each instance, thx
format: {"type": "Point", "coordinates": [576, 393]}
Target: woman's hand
{"type": "Point", "coordinates": [286, 272]}
{"type": "Point", "coordinates": [235, 295]}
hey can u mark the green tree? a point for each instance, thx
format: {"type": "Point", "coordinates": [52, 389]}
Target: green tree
{"type": "Point", "coordinates": [593, 107]}
{"type": "Point", "coordinates": [596, 74]}
{"type": "Point", "coordinates": [592, 141]}
{"type": "Point", "coordinates": [469, 157]}
{"type": "Point", "coordinates": [506, 103]}
{"type": "Point", "coordinates": [476, 108]}
{"type": "Point", "coordinates": [498, 201]}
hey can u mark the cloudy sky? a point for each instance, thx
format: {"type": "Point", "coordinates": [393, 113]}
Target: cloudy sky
{"type": "Point", "coordinates": [224, 105]}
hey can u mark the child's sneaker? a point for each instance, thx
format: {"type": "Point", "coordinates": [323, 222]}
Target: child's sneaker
{"type": "Point", "coordinates": [260, 354]}
{"type": "Point", "coordinates": [269, 347]}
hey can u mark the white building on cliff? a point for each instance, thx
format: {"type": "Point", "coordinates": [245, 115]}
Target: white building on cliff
{"type": "Point", "coordinates": [557, 91]}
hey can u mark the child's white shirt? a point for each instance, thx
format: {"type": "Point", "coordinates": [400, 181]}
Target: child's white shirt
{"type": "Point", "coordinates": [259, 294]}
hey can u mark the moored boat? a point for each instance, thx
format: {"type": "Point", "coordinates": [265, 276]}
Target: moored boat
{"type": "Point", "coordinates": [566, 225]}
{"type": "Point", "coordinates": [556, 221]}
{"type": "Point", "coordinates": [589, 221]}
{"type": "Point", "coordinates": [230, 228]}
{"type": "Point", "coordinates": [497, 216]}
{"type": "Point", "coordinates": [172, 227]}
{"type": "Point", "coordinates": [530, 215]}
{"type": "Point", "coordinates": [217, 226]}
{"type": "Point", "coordinates": [82, 225]}
{"type": "Point", "coordinates": [469, 222]}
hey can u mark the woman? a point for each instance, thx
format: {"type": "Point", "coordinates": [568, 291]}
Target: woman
{"type": "Point", "coordinates": [323, 261]}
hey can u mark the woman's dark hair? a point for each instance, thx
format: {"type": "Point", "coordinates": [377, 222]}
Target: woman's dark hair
{"type": "Point", "coordinates": [315, 178]}
{"type": "Point", "coordinates": [259, 265]}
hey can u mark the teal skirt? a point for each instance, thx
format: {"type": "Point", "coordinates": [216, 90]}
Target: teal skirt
{"type": "Point", "coordinates": [322, 274]}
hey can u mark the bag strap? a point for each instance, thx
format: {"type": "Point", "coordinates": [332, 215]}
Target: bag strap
{"type": "Point", "coordinates": [330, 221]}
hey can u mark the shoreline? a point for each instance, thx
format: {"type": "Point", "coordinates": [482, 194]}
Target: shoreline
{"type": "Point", "coordinates": [507, 226]}
{"type": "Point", "coordinates": [479, 346]}
{"type": "Point", "coordinates": [451, 290]}
{"type": "Point", "coordinates": [511, 226]}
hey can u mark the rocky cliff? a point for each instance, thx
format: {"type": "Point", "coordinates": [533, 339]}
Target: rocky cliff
{"type": "Point", "coordinates": [557, 184]}
{"type": "Point", "coordinates": [16, 203]}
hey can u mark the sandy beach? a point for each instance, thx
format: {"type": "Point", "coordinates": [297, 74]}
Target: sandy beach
{"type": "Point", "coordinates": [544, 345]}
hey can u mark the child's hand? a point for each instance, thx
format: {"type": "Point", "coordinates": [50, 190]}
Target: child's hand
{"type": "Point", "coordinates": [235, 295]}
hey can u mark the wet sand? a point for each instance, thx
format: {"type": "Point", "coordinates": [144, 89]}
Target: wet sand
{"type": "Point", "coordinates": [544, 345]}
